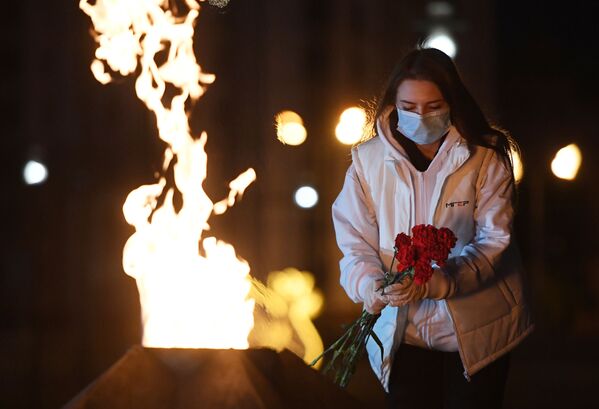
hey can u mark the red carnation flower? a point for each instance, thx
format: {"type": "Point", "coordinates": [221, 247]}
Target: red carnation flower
{"type": "Point", "coordinates": [405, 253]}
{"type": "Point", "coordinates": [425, 236]}
{"type": "Point", "coordinates": [402, 240]}
{"type": "Point", "coordinates": [446, 237]}
{"type": "Point", "coordinates": [406, 257]}
{"type": "Point", "coordinates": [423, 271]}
{"type": "Point", "coordinates": [445, 242]}
{"type": "Point", "coordinates": [426, 245]}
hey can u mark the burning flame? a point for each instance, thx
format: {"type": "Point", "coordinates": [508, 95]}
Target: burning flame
{"type": "Point", "coordinates": [188, 300]}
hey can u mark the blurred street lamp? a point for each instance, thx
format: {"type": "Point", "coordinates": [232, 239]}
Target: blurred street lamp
{"type": "Point", "coordinates": [566, 162]}
{"type": "Point", "coordinates": [439, 9]}
{"type": "Point", "coordinates": [35, 173]}
{"type": "Point", "coordinates": [306, 197]}
{"type": "Point", "coordinates": [350, 128]}
{"type": "Point", "coordinates": [290, 128]}
{"type": "Point", "coordinates": [441, 40]}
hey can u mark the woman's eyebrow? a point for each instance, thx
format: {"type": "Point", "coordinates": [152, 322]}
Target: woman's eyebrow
{"type": "Point", "coordinates": [405, 101]}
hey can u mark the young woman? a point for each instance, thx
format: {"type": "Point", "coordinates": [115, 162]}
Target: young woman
{"type": "Point", "coordinates": [435, 160]}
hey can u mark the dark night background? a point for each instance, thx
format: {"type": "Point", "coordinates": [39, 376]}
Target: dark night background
{"type": "Point", "coordinates": [67, 309]}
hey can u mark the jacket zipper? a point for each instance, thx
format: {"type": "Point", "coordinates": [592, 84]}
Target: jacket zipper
{"type": "Point", "coordinates": [433, 214]}
{"type": "Point", "coordinates": [423, 199]}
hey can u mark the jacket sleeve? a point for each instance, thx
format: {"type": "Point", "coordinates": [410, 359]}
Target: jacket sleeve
{"type": "Point", "coordinates": [357, 235]}
{"type": "Point", "coordinates": [479, 260]}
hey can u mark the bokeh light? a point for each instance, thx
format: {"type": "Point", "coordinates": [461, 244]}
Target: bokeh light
{"type": "Point", "coordinates": [441, 40]}
{"type": "Point", "coordinates": [304, 302]}
{"type": "Point", "coordinates": [566, 162]}
{"type": "Point", "coordinates": [439, 9]}
{"type": "Point", "coordinates": [306, 197]}
{"type": "Point", "coordinates": [518, 165]}
{"type": "Point", "coordinates": [350, 128]}
{"type": "Point", "coordinates": [35, 173]}
{"type": "Point", "coordinates": [290, 128]}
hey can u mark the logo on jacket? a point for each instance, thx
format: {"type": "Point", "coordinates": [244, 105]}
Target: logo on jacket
{"type": "Point", "coordinates": [457, 204]}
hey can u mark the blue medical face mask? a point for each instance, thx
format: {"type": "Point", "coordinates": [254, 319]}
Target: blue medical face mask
{"type": "Point", "coordinates": [423, 129]}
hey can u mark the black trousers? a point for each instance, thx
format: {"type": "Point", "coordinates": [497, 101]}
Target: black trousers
{"type": "Point", "coordinates": [423, 378]}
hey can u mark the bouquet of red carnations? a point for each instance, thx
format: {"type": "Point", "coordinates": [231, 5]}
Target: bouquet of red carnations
{"type": "Point", "coordinates": [414, 256]}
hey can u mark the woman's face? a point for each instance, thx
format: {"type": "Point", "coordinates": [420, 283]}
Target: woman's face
{"type": "Point", "coordinates": [419, 96]}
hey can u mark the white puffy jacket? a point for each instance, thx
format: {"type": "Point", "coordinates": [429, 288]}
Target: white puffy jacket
{"type": "Point", "coordinates": [472, 197]}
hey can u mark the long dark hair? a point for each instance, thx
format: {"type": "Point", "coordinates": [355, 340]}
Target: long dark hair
{"type": "Point", "coordinates": [433, 65]}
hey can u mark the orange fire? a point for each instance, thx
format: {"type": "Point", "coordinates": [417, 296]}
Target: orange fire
{"type": "Point", "coordinates": [188, 299]}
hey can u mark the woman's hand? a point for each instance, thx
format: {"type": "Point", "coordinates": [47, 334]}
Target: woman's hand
{"type": "Point", "coordinates": [404, 293]}
{"type": "Point", "coordinates": [374, 301]}
{"type": "Point", "coordinates": [440, 286]}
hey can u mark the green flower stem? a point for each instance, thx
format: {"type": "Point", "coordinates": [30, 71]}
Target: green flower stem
{"type": "Point", "coordinates": [351, 346]}
{"type": "Point", "coordinates": [388, 275]}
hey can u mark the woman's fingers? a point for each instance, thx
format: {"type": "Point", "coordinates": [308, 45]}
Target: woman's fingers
{"type": "Point", "coordinates": [398, 288]}
{"type": "Point", "coordinates": [399, 299]}
{"type": "Point", "coordinates": [413, 293]}
{"type": "Point", "coordinates": [398, 302]}
{"type": "Point", "coordinates": [373, 303]}
{"type": "Point", "coordinates": [381, 297]}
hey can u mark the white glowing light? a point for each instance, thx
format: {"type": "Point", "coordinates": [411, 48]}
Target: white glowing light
{"type": "Point", "coordinates": [306, 197]}
{"type": "Point", "coordinates": [35, 173]}
{"type": "Point", "coordinates": [351, 126]}
{"type": "Point", "coordinates": [439, 9]}
{"type": "Point", "coordinates": [290, 128]}
{"type": "Point", "coordinates": [518, 165]}
{"type": "Point", "coordinates": [292, 134]}
{"type": "Point", "coordinates": [566, 163]}
{"type": "Point", "coordinates": [441, 40]}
